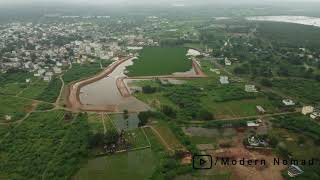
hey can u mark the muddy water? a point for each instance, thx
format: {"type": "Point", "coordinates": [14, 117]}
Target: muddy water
{"type": "Point", "coordinates": [104, 92]}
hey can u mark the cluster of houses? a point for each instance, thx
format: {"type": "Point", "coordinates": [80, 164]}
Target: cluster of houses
{"type": "Point", "coordinates": [47, 49]}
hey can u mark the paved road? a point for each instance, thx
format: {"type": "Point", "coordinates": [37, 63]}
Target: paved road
{"type": "Point", "coordinates": [248, 117]}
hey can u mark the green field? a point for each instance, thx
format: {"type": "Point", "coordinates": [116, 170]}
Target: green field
{"type": "Point", "coordinates": [14, 106]}
{"type": "Point", "coordinates": [223, 101]}
{"type": "Point", "coordinates": [35, 89]}
{"type": "Point", "coordinates": [160, 61]}
{"type": "Point", "coordinates": [137, 138]}
{"type": "Point", "coordinates": [289, 34]}
{"type": "Point", "coordinates": [13, 82]}
{"type": "Point", "coordinates": [165, 132]}
{"type": "Point", "coordinates": [125, 124]}
{"type": "Point", "coordinates": [44, 146]}
{"type": "Point", "coordinates": [135, 165]}
{"type": "Point", "coordinates": [80, 71]}
{"type": "Point", "coordinates": [305, 90]}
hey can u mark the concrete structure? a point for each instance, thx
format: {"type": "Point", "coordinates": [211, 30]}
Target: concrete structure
{"type": "Point", "coordinates": [227, 62]}
{"type": "Point", "coordinates": [294, 171]}
{"type": "Point", "coordinates": [224, 80]}
{"type": "Point", "coordinates": [260, 109]}
{"type": "Point", "coordinates": [250, 88]}
{"type": "Point", "coordinates": [288, 102]}
{"type": "Point", "coordinates": [252, 124]}
{"type": "Point", "coordinates": [307, 110]}
{"type": "Point", "coordinates": [315, 115]}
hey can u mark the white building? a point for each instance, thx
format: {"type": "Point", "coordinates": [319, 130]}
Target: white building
{"type": "Point", "coordinates": [227, 62]}
{"type": "Point", "coordinates": [224, 80]}
{"type": "Point", "coordinates": [315, 115]}
{"type": "Point", "coordinates": [307, 110]}
{"type": "Point", "coordinates": [252, 124]}
{"type": "Point", "coordinates": [47, 78]}
{"type": "Point", "coordinates": [250, 88]}
{"type": "Point", "coordinates": [192, 52]}
{"type": "Point", "coordinates": [57, 70]}
{"type": "Point", "coordinates": [288, 102]}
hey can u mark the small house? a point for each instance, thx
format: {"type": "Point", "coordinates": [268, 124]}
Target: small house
{"type": "Point", "coordinates": [261, 109]}
{"type": "Point", "coordinates": [307, 110]}
{"type": "Point", "coordinates": [224, 80]}
{"type": "Point", "coordinates": [47, 78]}
{"type": "Point", "coordinates": [250, 88]}
{"type": "Point", "coordinates": [227, 62]}
{"type": "Point", "coordinates": [288, 102]}
{"type": "Point", "coordinates": [252, 124]}
{"type": "Point", "coordinates": [253, 141]}
{"type": "Point", "coordinates": [294, 171]}
{"type": "Point", "coordinates": [315, 115]}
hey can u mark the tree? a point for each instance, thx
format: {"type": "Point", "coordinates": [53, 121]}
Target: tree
{"type": "Point", "coordinates": [144, 117]}
{"type": "Point", "coordinates": [168, 111]}
{"type": "Point", "coordinates": [148, 89]}
{"type": "Point", "coordinates": [266, 82]}
{"type": "Point", "coordinates": [205, 115]}
{"type": "Point", "coordinates": [125, 114]}
{"type": "Point", "coordinates": [95, 140]}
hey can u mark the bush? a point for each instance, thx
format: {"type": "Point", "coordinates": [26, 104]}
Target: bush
{"type": "Point", "coordinates": [148, 89]}
{"type": "Point", "coordinates": [44, 107]}
{"type": "Point", "coordinates": [144, 117]}
{"type": "Point", "coordinates": [266, 82]}
{"type": "Point", "coordinates": [205, 115]}
{"type": "Point", "coordinates": [168, 111]}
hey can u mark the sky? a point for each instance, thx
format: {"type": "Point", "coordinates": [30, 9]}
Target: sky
{"type": "Point", "coordinates": [142, 1]}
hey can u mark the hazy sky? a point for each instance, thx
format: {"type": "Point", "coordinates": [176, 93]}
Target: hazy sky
{"type": "Point", "coordinates": [141, 1]}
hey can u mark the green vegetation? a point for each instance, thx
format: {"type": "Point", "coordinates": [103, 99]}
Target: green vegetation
{"type": "Point", "coordinates": [306, 90]}
{"type": "Point", "coordinates": [44, 106]}
{"type": "Point", "coordinates": [160, 61]}
{"type": "Point", "coordinates": [34, 90]}
{"type": "Point", "coordinates": [301, 141]}
{"type": "Point", "coordinates": [12, 83]}
{"type": "Point", "coordinates": [80, 71]}
{"type": "Point", "coordinates": [162, 128]}
{"type": "Point", "coordinates": [299, 123]}
{"type": "Point", "coordinates": [289, 34]}
{"type": "Point", "coordinates": [137, 138]}
{"type": "Point", "coordinates": [54, 148]}
{"type": "Point", "coordinates": [44, 91]}
{"type": "Point", "coordinates": [135, 165]}
{"type": "Point", "coordinates": [51, 92]}
{"type": "Point", "coordinates": [14, 107]}
{"type": "Point", "coordinates": [206, 99]}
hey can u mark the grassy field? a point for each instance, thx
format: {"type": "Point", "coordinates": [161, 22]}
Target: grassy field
{"type": "Point", "coordinates": [305, 90]}
{"type": "Point", "coordinates": [80, 71]}
{"type": "Point", "coordinates": [12, 88]}
{"type": "Point", "coordinates": [14, 106]}
{"type": "Point", "coordinates": [44, 91]}
{"type": "Point", "coordinates": [135, 165]}
{"type": "Point", "coordinates": [125, 124]}
{"type": "Point", "coordinates": [223, 101]}
{"type": "Point", "coordinates": [301, 147]}
{"type": "Point", "coordinates": [44, 146]}
{"type": "Point", "coordinates": [289, 34]}
{"type": "Point", "coordinates": [35, 89]}
{"type": "Point", "coordinates": [13, 83]}
{"type": "Point", "coordinates": [95, 123]}
{"type": "Point", "coordinates": [160, 61]}
{"type": "Point", "coordinates": [239, 108]}
{"type": "Point", "coordinates": [137, 138]}
{"type": "Point", "coordinates": [165, 132]}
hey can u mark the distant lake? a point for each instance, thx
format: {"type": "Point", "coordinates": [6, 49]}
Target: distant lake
{"type": "Point", "coordinates": [305, 20]}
